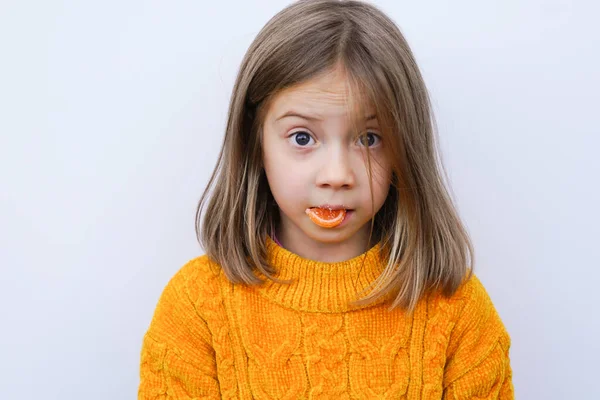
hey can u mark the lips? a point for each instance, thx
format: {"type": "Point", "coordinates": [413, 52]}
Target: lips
{"type": "Point", "coordinates": [335, 207]}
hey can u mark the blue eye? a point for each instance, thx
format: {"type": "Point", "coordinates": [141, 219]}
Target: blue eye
{"type": "Point", "coordinates": [369, 139]}
{"type": "Point", "coordinates": [301, 138]}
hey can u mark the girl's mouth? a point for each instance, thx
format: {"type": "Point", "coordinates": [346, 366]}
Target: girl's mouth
{"type": "Point", "coordinates": [328, 216]}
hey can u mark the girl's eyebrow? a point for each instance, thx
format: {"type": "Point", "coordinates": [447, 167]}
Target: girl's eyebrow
{"type": "Point", "coordinates": [293, 113]}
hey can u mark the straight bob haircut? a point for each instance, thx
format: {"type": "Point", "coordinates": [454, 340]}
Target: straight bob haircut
{"type": "Point", "coordinates": [424, 245]}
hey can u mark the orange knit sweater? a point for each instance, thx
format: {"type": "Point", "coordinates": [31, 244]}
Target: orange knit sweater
{"type": "Point", "coordinates": [210, 339]}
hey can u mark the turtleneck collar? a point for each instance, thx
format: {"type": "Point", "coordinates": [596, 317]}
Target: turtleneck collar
{"type": "Point", "coordinates": [320, 286]}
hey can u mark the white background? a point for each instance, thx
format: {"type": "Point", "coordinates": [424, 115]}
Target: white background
{"type": "Point", "coordinates": [112, 114]}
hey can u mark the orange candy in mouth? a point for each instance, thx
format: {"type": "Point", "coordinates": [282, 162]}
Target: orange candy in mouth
{"type": "Point", "coordinates": [326, 218]}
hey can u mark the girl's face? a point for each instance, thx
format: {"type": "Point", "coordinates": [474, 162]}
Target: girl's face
{"type": "Point", "coordinates": [314, 157]}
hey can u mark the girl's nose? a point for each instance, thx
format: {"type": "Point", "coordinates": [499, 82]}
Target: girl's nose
{"type": "Point", "coordinates": [336, 171]}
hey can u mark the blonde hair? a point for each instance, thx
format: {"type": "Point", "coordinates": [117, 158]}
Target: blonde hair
{"type": "Point", "coordinates": [423, 242]}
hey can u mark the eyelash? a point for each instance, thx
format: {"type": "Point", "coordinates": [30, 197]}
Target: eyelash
{"type": "Point", "coordinates": [311, 137]}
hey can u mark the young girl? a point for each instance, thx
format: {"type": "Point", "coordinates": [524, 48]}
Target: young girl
{"type": "Point", "coordinates": [336, 265]}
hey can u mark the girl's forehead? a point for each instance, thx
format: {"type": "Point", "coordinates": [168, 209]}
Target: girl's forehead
{"type": "Point", "coordinates": [327, 95]}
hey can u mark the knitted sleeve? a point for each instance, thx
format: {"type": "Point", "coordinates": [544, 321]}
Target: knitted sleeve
{"type": "Point", "coordinates": [478, 362]}
{"type": "Point", "coordinates": [177, 358]}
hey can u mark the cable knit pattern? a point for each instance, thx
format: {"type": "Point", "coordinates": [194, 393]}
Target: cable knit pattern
{"type": "Point", "coordinates": [210, 339]}
{"type": "Point", "coordinates": [326, 351]}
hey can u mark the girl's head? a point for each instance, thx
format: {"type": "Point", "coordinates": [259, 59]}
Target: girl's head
{"type": "Point", "coordinates": [317, 152]}
{"type": "Point", "coordinates": [329, 107]}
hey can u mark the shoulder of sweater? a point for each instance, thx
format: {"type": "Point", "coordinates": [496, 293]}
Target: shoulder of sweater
{"type": "Point", "coordinates": [198, 278]}
{"type": "Point", "coordinates": [470, 293]}
{"type": "Point", "coordinates": [476, 311]}
{"type": "Point", "coordinates": [477, 300]}
{"type": "Point", "coordinates": [198, 268]}
{"type": "Point", "coordinates": [470, 307]}
{"type": "Point", "coordinates": [197, 274]}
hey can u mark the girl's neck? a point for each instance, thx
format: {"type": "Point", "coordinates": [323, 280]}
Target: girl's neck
{"type": "Point", "coordinates": [299, 243]}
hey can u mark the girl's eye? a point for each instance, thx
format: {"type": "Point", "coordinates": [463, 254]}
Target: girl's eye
{"type": "Point", "coordinates": [301, 138]}
{"type": "Point", "coordinates": [369, 139]}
